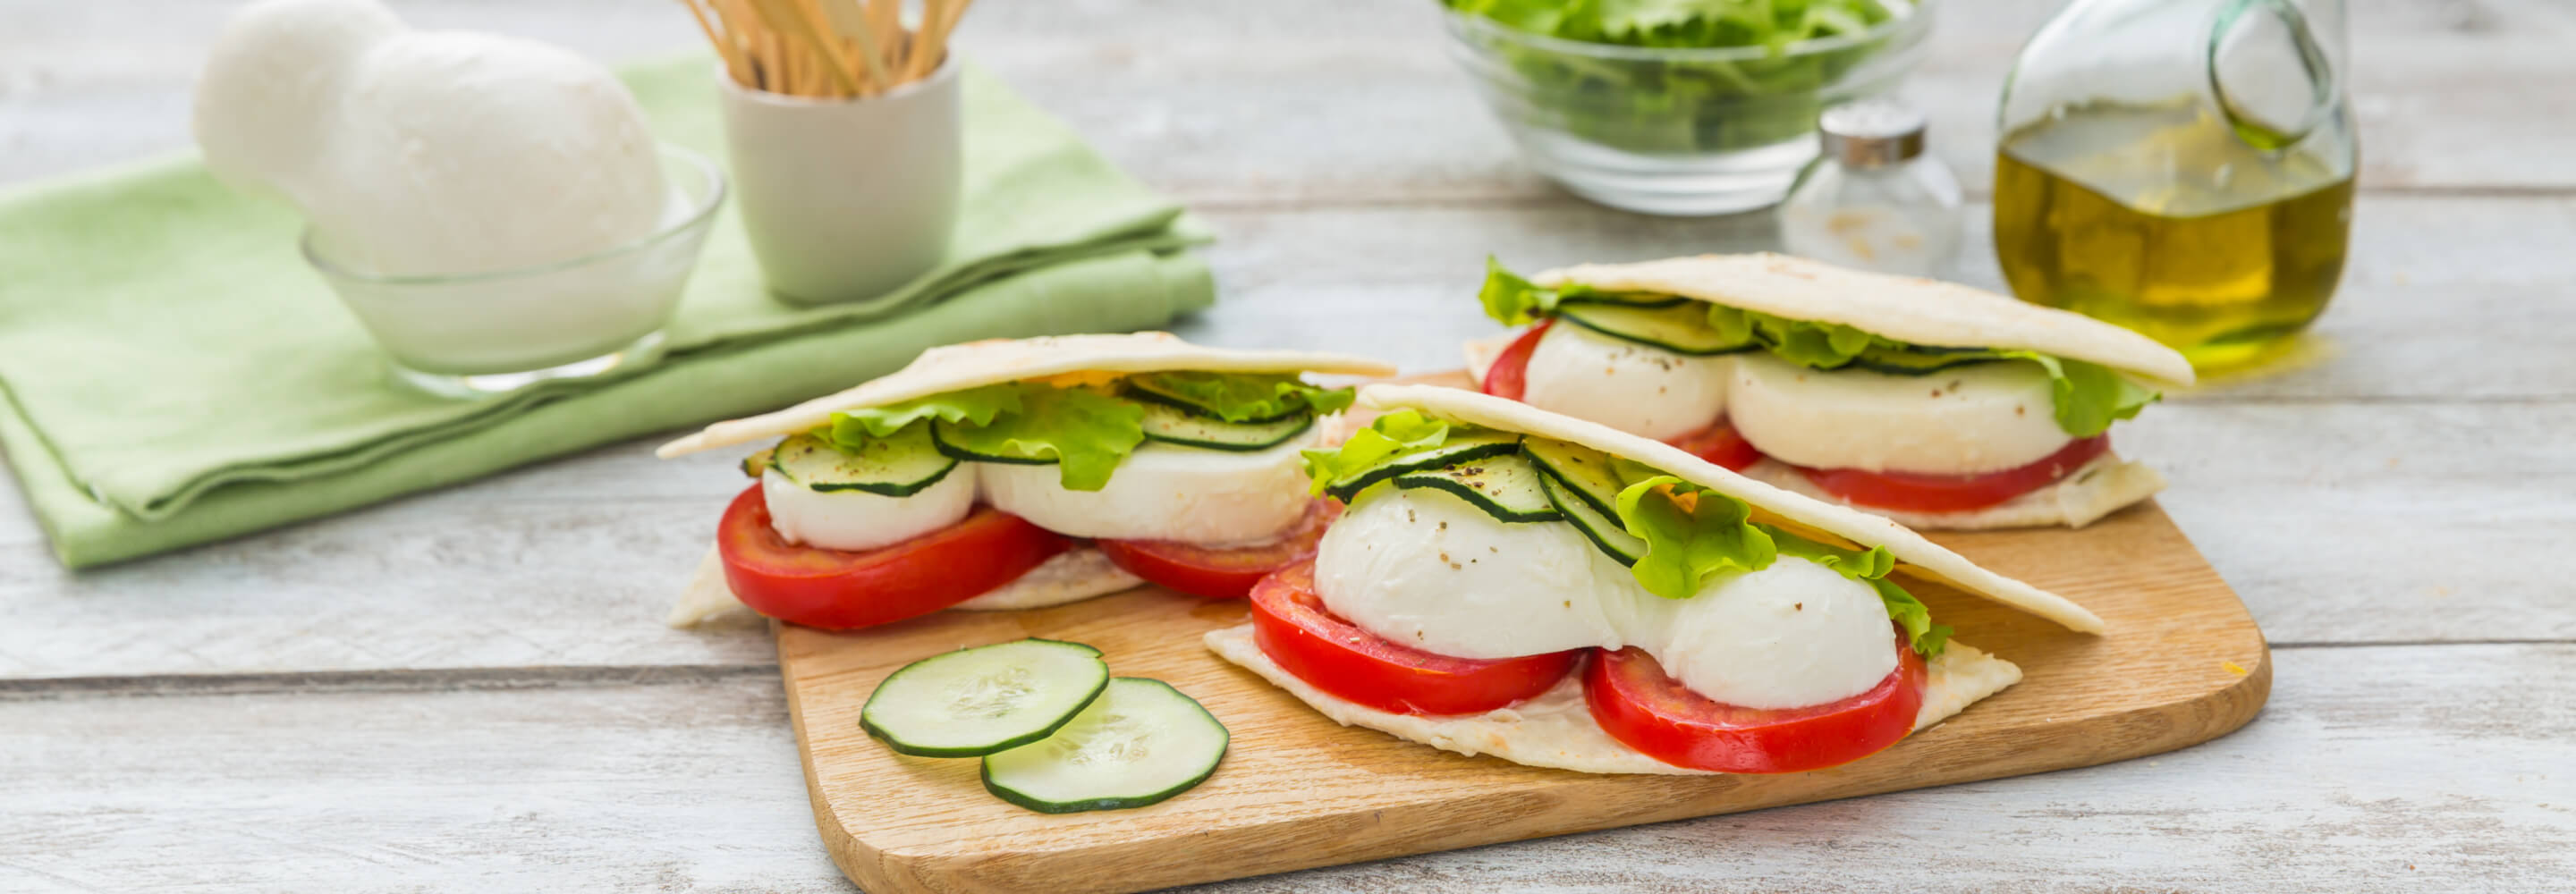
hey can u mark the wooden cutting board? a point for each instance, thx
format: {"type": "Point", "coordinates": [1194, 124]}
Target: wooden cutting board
{"type": "Point", "coordinates": [2182, 663]}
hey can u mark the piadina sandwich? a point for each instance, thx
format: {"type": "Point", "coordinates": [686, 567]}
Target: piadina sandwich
{"type": "Point", "coordinates": [1016, 474]}
{"type": "Point", "coordinates": [1936, 404]}
{"type": "Point", "coordinates": [1554, 592]}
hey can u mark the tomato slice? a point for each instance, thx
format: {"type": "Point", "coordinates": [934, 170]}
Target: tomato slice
{"type": "Point", "coordinates": [1719, 444]}
{"type": "Point", "coordinates": [1217, 572]}
{"type": "Point", "coordinates": [1639, 705]}
{"type": "Point", "coordinates": [1955, 493]}
{"type": "Point", "coordinates": [837, 590]}
{"type": "Point", "coordinates": [1509, 376]}
{"type": "Point", "coordinates": [1294, 628]}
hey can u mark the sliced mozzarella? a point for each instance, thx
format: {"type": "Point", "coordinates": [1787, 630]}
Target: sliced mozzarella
{"type": "Point", "coordinates": [858, 520]}
{"type": "Point", "coordinates": [1964, 421]}
{"type": "Point", "coordinates": [1423, 568]}
{"type": "Point", "coordinates": [1789, 635]}
{"type": "Point", "coordinates": [1644, 391]}
{"type": "Point", "coordinates": [1164, 492]}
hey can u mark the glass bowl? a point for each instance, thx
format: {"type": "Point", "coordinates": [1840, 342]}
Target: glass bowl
{"type": "Point", "coordinates": [1677, 131]}
{"type": "Point", "coordinates": [487, 333]}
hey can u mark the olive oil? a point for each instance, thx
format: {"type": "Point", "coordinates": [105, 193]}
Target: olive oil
{"type": "Point", "coordinates": [2160, 219]}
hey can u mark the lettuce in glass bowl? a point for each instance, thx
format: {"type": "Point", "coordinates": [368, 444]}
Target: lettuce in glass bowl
{"type": "Point", "coordinates": [1679, 106]}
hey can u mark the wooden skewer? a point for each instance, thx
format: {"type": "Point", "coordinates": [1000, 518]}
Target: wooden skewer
{"type": "Point", "coordinates": [885, 19]}
{"type": "Point", "coordinates": [826, 48]}
{"type": "Point", "coordinates": [733, 62]}
{"type": "Point", "coordinates": [939, 17]}
{"type": "Point", "coordinates": [851, 21]}
{"type": "Point", "coordinates": [783, 17]}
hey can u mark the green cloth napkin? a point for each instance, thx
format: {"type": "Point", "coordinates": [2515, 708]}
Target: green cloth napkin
{"type": "Point", "coordinates": [174, 374]}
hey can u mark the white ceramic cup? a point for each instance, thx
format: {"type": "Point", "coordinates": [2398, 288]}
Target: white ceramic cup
{"type": "Point", "coordinates": [847, 199]}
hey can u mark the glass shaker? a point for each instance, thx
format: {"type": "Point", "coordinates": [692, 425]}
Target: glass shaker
{"type": "Point", "coordinates": [2180, 167]}
{"type": "Point", "coordinates": [1873, 199]}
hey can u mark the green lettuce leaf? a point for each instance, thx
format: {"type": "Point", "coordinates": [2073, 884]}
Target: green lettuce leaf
{"type": "Point", "coordinates": [974, 406]}
{"type": "Point", "coordinates": [1245, 397]}
{"type": "Point", "coordinates": [2089, 395]}
{"type": "Point", "coordinates": [1511, 300]}
{"type": "Point", "coordinates": [1388, 436]}
{"type": "Point", "coordinates": [1692, 534]}
{"type": "Point", "coordinates": [1908, 612]}
{"type": "Point", "coordinates": [1085, 432]}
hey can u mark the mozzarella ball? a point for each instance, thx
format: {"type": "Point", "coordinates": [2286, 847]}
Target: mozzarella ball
{"type": "Point", "coordinates": [1426, 569]}
{"type": "Point", "coordinates": [857, 520]}
{"type": "Point", "coordinates": [1164, 492]}
{"type": "Point", "coordinates": [1637, 389]}
{"type": "Point", "coordinates": [1968, 420]}
{"type": "Point", "coordinates": [1787, 636]}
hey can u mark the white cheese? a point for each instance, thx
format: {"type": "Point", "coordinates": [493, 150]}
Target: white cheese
{"type": "Point", "coordinates": [1637, 389]}
{"type": "Point", "coordinates": [856, 520]}
{"type": "Point", "coordinates": [1164, 492]}
{"type": "Point", "coordinates": [1425, 569]}
{"type": "Point", "coordinates": [1974, 419]}
{"type": "Point", "coordinates": [427, 152]}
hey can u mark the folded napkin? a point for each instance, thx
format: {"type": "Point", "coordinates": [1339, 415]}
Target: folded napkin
{"type": "Point", "coordinates": [174, 374]}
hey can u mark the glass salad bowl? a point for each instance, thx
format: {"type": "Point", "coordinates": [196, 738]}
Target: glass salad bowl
{"type": "Point", "coordinates": [1677, 130]}
{"type": "Point", "coordinates": [493, 332]}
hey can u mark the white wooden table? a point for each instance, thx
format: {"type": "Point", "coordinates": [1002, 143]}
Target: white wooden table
{"type": "Point", "coordinates": [470, 689]}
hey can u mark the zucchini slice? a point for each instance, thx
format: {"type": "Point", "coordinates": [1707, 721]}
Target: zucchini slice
{"type": "Point", "coordinates": [1588, 474]}
{"type": "Point", "coordinates": [757, 463]}
{"type": "Point", "coordinates": [978, 701]}
{"type": "Point", "coordinates": [1681, 329]}
{"type": "Point", "coordinates": [944, 437]}
{"type": "Point", "coordinates": [897, 466]}
{"type": "Point", "coordinates": [1173, 425]}
{"type": "Point", "coordinates": [1602, 528]}
{"type": "Point", "coordinates": [1506, 487]}
{"type": "Point", "coordinates": [1918, 362]}
{"type": "Point", "coordinates": [1460, 447]}
{"type": "Point", "coordinates": [1142, 741]}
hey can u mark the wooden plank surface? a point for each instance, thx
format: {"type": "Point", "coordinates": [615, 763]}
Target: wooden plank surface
{"type": "Point", "coordinates": [299, 711]}
{"type": "Point", "coordinates": [2373, 769]}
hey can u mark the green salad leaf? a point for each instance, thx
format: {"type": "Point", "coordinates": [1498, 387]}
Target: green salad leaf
{"type": "Point", "coordinates": [1908, 612]}
{"type": "Point", "coordinates": [852, 429]}
{"type": "Point", "coordinates": [1389, 436]}
{"type": "Point", "coordinates": [1085, 432]}
{"type": "Point", "coordinates": [1245, 397]}
{"type": "Point", "coordinates": [1682, 104]}
{"type": "Point", "coordinates": [2089, 395]}
{"type": "Point", "coordinates": [1692, 534]}
{"type": "Point", "coordinates": [1510, 299]}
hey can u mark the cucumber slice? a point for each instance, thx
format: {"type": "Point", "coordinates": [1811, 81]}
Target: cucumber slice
{"type": "Point", "coordinates": [1918, 362]}
{"type": "Point", "coordinates": [757, 463]}
{"type": "Point", "coordinates": [1588, 474]}
{"type": "Point", "coordinates": [1506, 487]}
{"type": "Point", "coordinates": [1142, 741]}
{"type": "Point", "coordinates": [1625, 299]}
{"type": "Point", "coordinates": [897, 466]}
{"type": "Point", "coordinates": [1173, 425]}
{"type": "Point", "coordinates": [1678, 328]}
{"type": "Point", "coordinates": [1461, 446]}
{"type": "Point", "coordinates": [1602, 528]}
{"type": "Point", "coordinates": [944, 437]}
{"type": "Point", "coordinates": [978, 701]}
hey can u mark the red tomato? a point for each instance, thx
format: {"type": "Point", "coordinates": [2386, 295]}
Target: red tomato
{"type": "Point", "coordinates": [1719, 444]}
{"type": "Point", "coordinates": [1955, 493]}
{"type": "Point", "coordinates": [1218, 572]}
{"type": "Point", "coordinates": [837, 590]}
{"type": "Point", "coordinates": [1509, 376]}
{"type": "Point", "coordinates": [1637, 704]}
{"type": "Point", "coordinates": [1294, 629]}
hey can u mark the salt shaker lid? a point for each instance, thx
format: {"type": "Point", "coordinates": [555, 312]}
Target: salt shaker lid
{"type": "Point", "coordinates": [1873, 132]}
